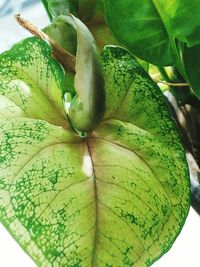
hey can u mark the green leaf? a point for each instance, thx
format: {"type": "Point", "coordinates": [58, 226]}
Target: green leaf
{"type": "Point", "coordinates": [60, 7]}
{"type": "Point", "coordinates": [31, 83]}
{"type": "Point", "coordinates": [82, 8]}
{"type": "Point", "coordinates": [90, 12]}
{"type": "Point", "coordinates": [148, 28]}
{"type": "Point", "coordinates": [143, 63]}
{"type": "Point", "coordinates": [191, 63]}
{"type": "Point", "coordinates": [118, 197]}
{"type": "Point", "coordinates": [87, 107]}
{"type": "Point", "coordinates": [63, 33]}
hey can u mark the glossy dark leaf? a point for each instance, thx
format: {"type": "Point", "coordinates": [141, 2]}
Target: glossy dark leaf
{"type": "Point", "coordinates": [148, 28]}
{"type": "Point", "coordinates": [191, 61]}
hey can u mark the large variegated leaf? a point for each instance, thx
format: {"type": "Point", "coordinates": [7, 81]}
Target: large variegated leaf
{"type": "Point", "coordinates": [118, 197]}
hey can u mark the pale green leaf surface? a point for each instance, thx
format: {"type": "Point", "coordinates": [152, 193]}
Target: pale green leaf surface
{"type": "Point", "coordinates": [132, 96]}
{"type": "Point", "coordinates": [143, 141]}
{"type": "Point", "coordinates": [46, 199]}
{"type": "Point", "coordinates": [32, 81]}
{"type": "Point", "coordinates": [118, 197]}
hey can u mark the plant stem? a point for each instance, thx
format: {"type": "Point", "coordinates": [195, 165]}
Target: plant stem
{"type": "Point", "coordinates": [172, 84]}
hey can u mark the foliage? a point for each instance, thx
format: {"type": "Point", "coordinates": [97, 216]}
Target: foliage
{"type": "Point", "coordinates": [91, 12]}
{"type": "Point", "coordinates": [192, 67]}
{"type": "Point", "coordinates": [157, 30]}
{"type": "Point", "coordinates": [149, 28]}
{"type": "Point", "coordinates": [94, 174]}
{"type": "Point", "coordinates": [154, 31]}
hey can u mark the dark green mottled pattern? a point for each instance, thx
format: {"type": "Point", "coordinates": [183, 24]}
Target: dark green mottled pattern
{"type": "Point", "coordinates": [116, 198]}
{"type": "Point", "coordinates": [46, 190]}
{"type": "Point", "coordinates": [136, 98]}
{"type": "Point", "coordinates": [46, 198]}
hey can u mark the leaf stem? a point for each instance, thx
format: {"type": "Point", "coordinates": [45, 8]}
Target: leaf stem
{"type": "Point", "coordinates": [64, 57]}
{"type": "Point", "coordinates": [172, 84]}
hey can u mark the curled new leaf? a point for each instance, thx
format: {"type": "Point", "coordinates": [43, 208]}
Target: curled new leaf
{"type": "Point", "coordinates": [87, 107]}
{"type": "Point", "coordinates": [117, 197]}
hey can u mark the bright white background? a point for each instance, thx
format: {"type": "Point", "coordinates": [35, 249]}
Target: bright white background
{"type": "Point", "coordinates": [185, 251]}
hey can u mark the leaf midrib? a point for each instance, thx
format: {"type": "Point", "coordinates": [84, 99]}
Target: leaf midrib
{"type": "Point", "coordinates": [95, 187]}
{"type": "Point", "coordinates": [96, 205]}
{"type": "Point", "coordinates": [146, 163]}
